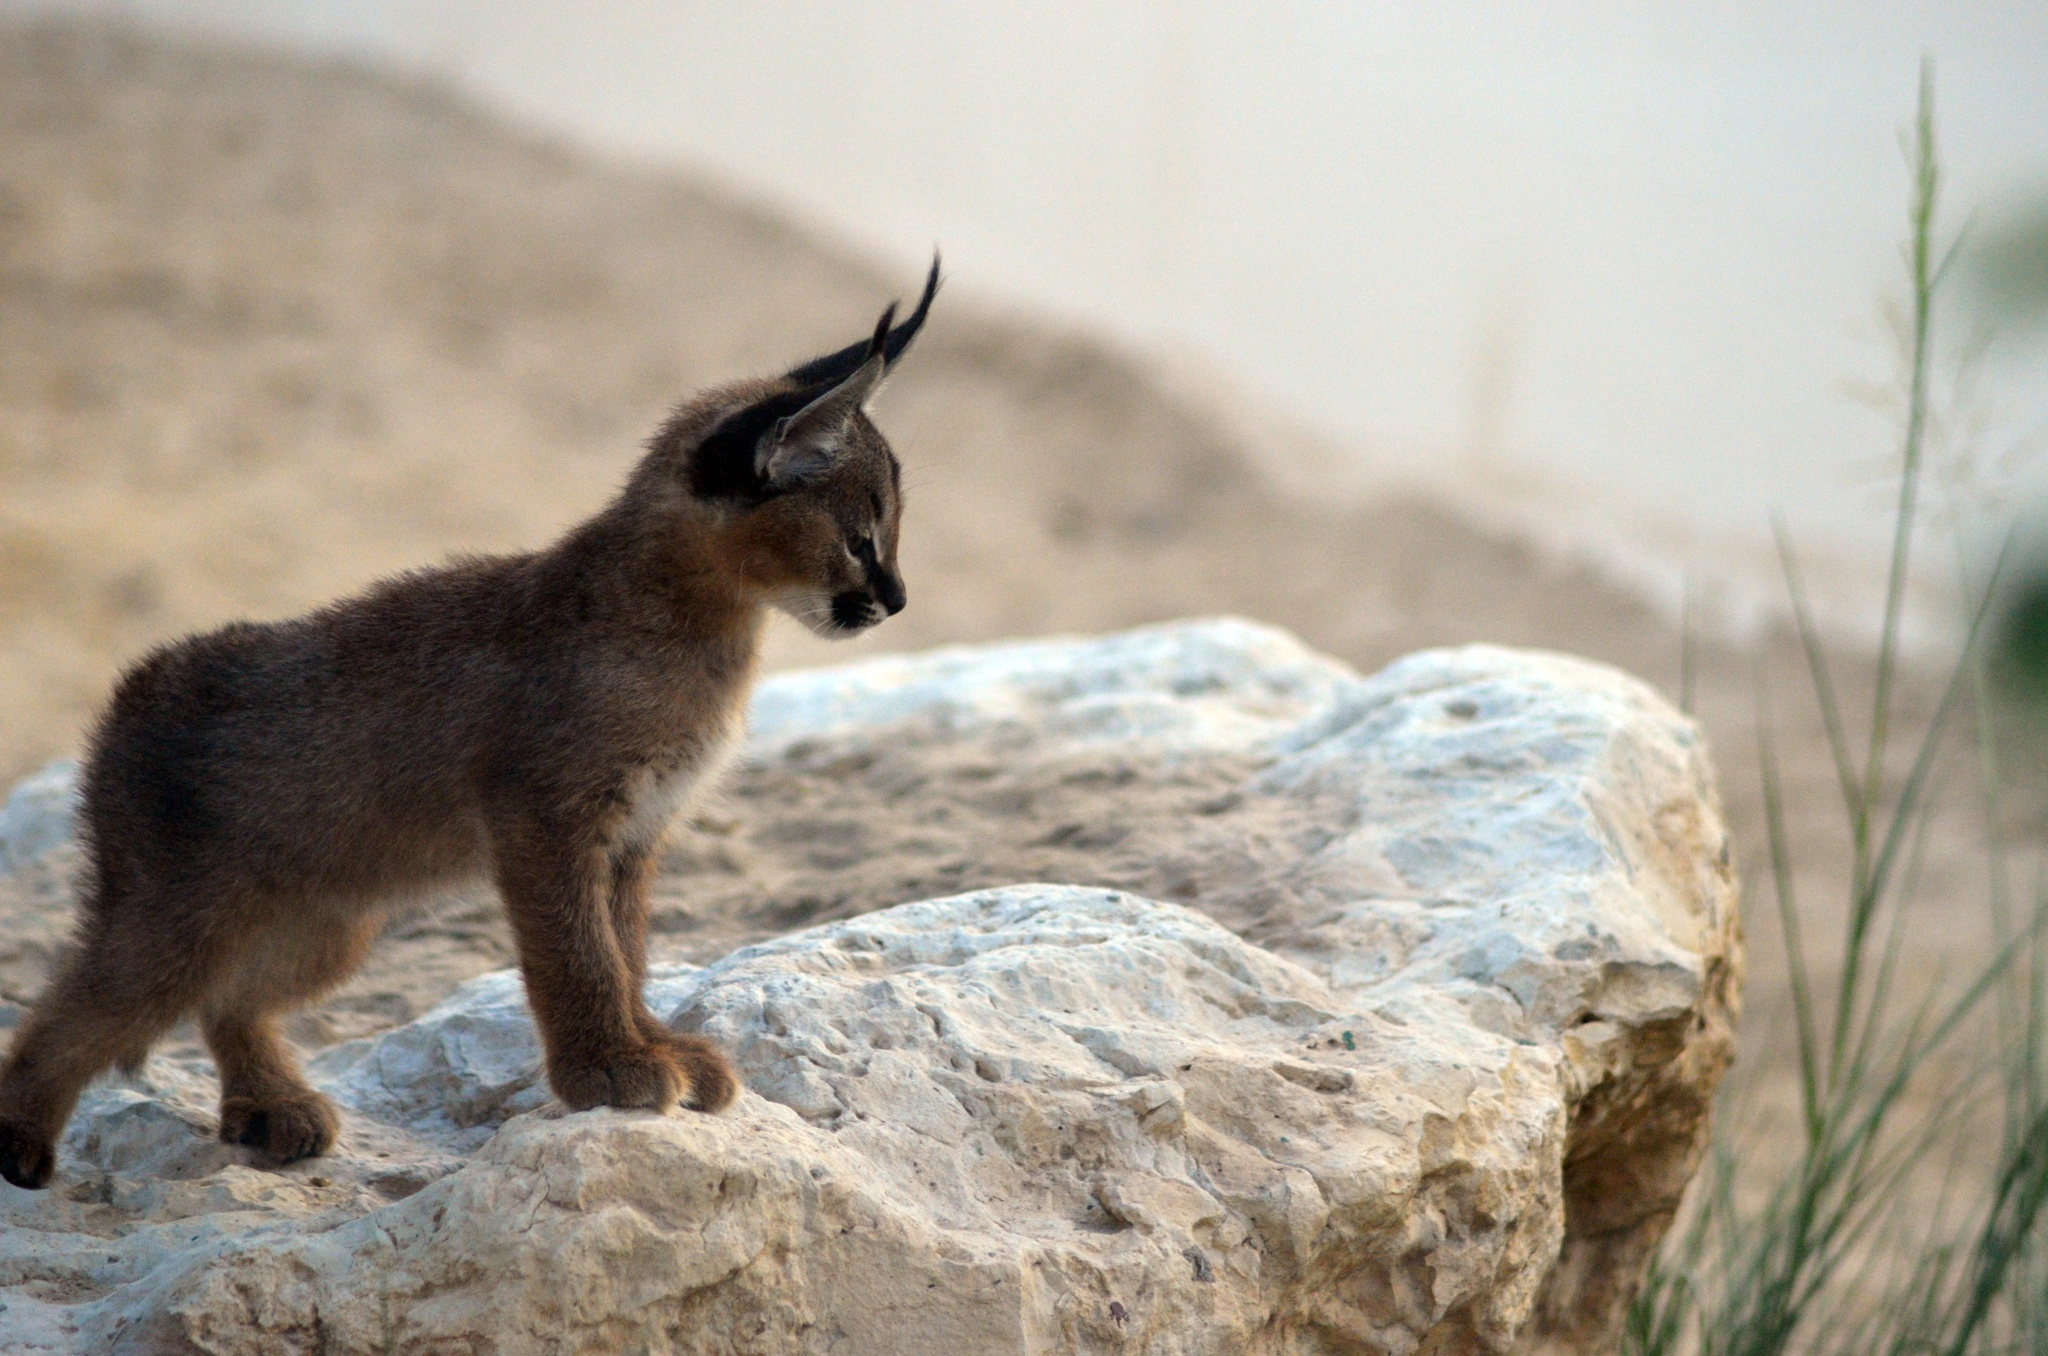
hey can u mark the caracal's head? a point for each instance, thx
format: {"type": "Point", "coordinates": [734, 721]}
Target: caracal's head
{"type": "Point", "coordinates": [803, 496]}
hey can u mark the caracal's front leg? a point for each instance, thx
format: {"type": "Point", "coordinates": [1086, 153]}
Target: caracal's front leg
{"type": "Point", "coordinates": [603, 1047]}
{"type": "Point", "coordinates": [712, 1082]}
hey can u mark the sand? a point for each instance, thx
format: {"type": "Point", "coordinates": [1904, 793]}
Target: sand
{"type": "Point", "coordinates": [272, 329]}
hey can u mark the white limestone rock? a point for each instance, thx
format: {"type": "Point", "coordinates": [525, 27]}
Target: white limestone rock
{"type": "Point", "coordinates": [36, 817]}
{"type": "Point", "coordinates": [1449, 1107]}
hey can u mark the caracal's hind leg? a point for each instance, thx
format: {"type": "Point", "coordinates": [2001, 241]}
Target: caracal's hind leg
{"type": "Point", "coordinates": [265, 1102]}
{"type": "Point", "coordinates": [112, 998]}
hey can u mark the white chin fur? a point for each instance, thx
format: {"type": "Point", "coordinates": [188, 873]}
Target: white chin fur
{"type": "Point", "coordinates": [814, 610]}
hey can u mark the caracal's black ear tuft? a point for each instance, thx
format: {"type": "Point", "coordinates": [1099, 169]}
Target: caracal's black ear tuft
{"type": "Point", "coordinates": [880, 341]}
{"type": "Point", "coordinates": [834, 368]}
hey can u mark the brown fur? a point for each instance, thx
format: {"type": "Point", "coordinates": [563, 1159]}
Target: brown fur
{"type": "Point", "coordinates": [258, 799]}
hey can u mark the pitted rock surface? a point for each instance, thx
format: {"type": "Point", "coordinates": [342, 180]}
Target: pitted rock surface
{"type": "Point", "coordinates": [1421, 1062]}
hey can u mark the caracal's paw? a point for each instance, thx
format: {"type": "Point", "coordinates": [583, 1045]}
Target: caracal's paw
{"type": "Point", "coordinates": [711, 1083]}
{"type": "Point", "coordinates": [644, 1077]}
{"type": "Point", "coordinates": [282, 1129]}
{"type": "Point", "coordinates": [28, 1158]}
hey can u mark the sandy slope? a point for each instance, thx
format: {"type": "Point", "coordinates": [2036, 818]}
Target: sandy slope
{"type": "Point", "coordinates": [269, 330]}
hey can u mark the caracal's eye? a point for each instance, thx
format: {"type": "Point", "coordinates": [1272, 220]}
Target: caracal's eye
{"type": "Point", "coordinates": [861, 547]}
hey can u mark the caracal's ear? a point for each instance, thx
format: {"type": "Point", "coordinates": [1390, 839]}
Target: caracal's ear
{"type": "Point", "coordinates": [803, 446]}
